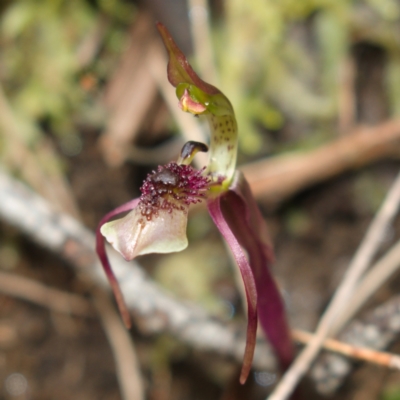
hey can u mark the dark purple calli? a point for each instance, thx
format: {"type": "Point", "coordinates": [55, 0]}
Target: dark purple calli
{"type": "Point", "coordinates": [157, 220]}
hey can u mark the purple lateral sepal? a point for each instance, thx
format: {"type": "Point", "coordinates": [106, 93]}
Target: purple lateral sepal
{"type": "Point", "coordinates": [214, 208]}
{"type": "Point", "coordinates": [101, 252]}
{"type": "Point", "coordinates": [241, 213]}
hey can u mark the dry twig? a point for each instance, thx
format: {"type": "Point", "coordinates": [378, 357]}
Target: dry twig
{"type": "Point", "coordinates": [35, 292]}
{"type": "Point", "coordinates": [384, 359]}
{"type": "Point", "coordinates": [60, 301]}
{"type": "Point", "coordinates": [379, 273]}
{"type": "Point", "coordinates": [376, 331]}
{"type": "Point", "coordinates": [277, 178]}
{"type": "Point", "coordinates": [129, 95]}
{"type": "Point", "coordinates": [126, 361]}
{"type": "Point", "coordinates": [124, 353]}
{"type": "Point", "coordinates": [357, 267]}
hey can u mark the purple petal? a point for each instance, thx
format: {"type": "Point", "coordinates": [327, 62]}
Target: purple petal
{"type": "Point", "coordinates": [244, 218]}
{"type": "Point", "coordinates": [101, 252]}
{"type": "Point", "coordinates": [214, 208]}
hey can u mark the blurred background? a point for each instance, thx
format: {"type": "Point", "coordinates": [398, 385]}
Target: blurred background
{"type": "Point", "coordinates": [86, 112]}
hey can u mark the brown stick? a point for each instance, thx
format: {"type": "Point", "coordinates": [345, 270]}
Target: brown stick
{"type": "Point", "coordinates": [129, 95]}
{"type": "Point", "coordinates": [60, 301]}
{"type": "Point", "coordinates": [128, 371]}
{"type": "Point", "coordinates": [360, 262]}
{"type": "Point", "coordinates": [275, 179]}
{"type": "Point", "coordinates": [56, 300]}
{"type": "Point", "coordinates": [376, 331]}
{"type": "Point", "coordinates": [384, 359]}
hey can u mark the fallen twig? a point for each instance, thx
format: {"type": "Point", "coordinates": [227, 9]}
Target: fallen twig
{"type": "Point", "coordinates": [376, 331]}
{"type": "Point", "coordinates": [60, 301]}
{"type": "Point", "coordinates": [384, 359]}
{"type": "Point", "coordinates": [35, 292]}
{"type": "Point", "coordinates": [129, 95]}
{"type": "Point", "coordinates": [56, 300]}
{"type": "Point", "coordinates": [126, 361]}
{"type": "Point", "coordinates": [379, 273]}
{"type": "Point", "coordinates": [277, 178]}
{"type": "Point", "coordinates": [359, 264]}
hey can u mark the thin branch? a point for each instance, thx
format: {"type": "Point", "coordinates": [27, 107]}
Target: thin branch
{"type": "Point", "coordinates": [275, 179]}
{"type": "Point", "coordinates": [64, 302]}
{"type": "Point", "coordinates": [54, 299]}
{"type": "Point", "coordinates": [384, 359]}
{"type": "Point", "coordinates": [357, 267]}
{"type": "Point", "coordinates": [379, 273]}
{"type": "Point", "coordinates": [376, 331]}
{"type": "Point", "coordinates": [129, 95]}
{"type": "Point", "coordinates": [125, 357]}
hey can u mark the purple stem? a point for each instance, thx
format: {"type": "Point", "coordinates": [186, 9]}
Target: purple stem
{"type": "Point", "coordinates": [214, 208]}
{"type": "Point", "coordinates": [101, 252]}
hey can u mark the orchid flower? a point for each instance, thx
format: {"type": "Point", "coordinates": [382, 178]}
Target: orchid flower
{"type": "Point", "coordinates": [157, 219]}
